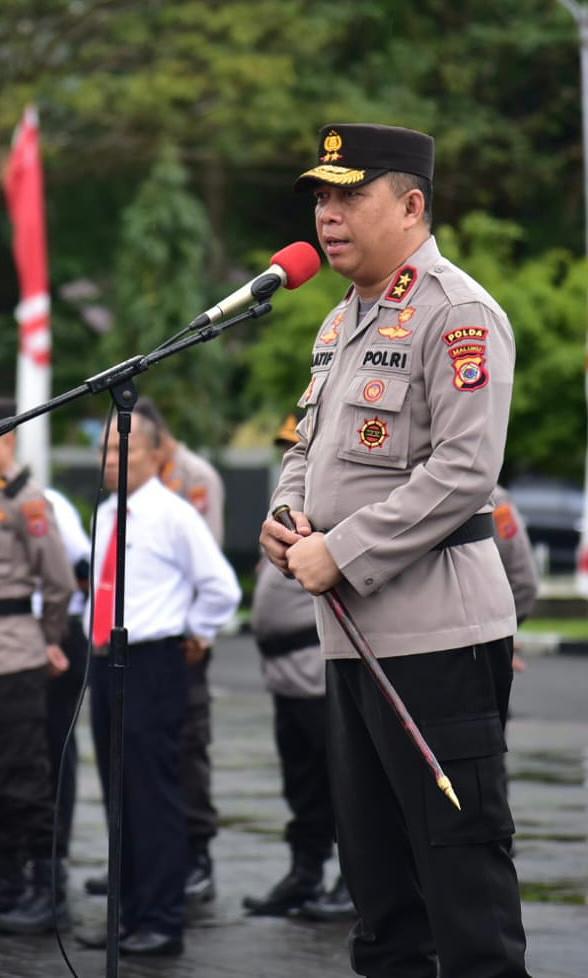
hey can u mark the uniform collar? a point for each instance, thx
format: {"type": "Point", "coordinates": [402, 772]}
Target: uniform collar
{"type": "Point", "coordinates": [401, 288]}
{"type": "Point", "coordinates": [141, 498]}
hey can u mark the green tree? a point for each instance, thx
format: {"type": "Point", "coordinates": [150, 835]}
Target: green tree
{"type": "Point", "coordinates": [158, 288]}
{"type": "Point", "coordinates": [545, 298]}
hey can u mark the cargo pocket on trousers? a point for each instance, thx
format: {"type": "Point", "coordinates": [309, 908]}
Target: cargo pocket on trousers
{"type": "Point", "coordinates": [471, 752]}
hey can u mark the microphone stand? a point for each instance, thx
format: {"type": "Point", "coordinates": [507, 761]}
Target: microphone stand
{"type": "Point", "coordinates": [118, 379]}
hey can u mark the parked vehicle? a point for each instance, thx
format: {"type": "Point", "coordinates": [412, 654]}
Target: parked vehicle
{"type": "Point", "coordinates": [552, 509]}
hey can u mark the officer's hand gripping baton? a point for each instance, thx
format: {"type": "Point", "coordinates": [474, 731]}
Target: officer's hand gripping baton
{"type": "Point", "coordinates": [368, 657]}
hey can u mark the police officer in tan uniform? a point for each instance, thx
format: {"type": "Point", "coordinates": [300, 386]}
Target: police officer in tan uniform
{"type": "Point", "coordinates": [31, 554]}
{"type": "Point", "coordinates": [283, 624]}
{"type": "Point", "coordinates": [391, 491]}
{"type": "Point", "coordinates": [516, 553]}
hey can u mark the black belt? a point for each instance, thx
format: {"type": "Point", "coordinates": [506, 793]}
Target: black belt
{"type": "Point", "coordinates": [282, 644]}
{"type": "Point", "coordinates": [478, 527]}
{"type": "Point", "coordinates": [15, 606]}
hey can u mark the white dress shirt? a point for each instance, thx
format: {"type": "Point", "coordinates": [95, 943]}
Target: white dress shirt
{"type": "Point", "coordinates": [75, 539]}
{"type": "Point", "coordinates": [177, 581]}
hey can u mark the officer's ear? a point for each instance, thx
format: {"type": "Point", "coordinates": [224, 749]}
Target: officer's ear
{"type": "Point", "coordinates": [414, 205]}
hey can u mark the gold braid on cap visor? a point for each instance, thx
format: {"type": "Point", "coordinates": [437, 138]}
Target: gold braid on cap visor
{"type": "Point", "coordinates": [335, 174]}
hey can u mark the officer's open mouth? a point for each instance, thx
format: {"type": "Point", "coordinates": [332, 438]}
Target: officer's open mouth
{"type": "Point", "coordinates": [333, 245]}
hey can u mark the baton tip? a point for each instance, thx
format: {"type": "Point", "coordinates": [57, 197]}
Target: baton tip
{"type": "Point", "coordinates": [446, 787]}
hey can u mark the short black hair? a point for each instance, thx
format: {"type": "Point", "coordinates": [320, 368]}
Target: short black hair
{"type": "Point", "coordinates": [147, 409]}
{"type": "Point", "coordinates": [402, 182]}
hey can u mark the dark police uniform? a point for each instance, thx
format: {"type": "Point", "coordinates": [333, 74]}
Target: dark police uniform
{"type": "Point", "coordinates": [31, 554]}
{"type": "Point", "coordinates": [400, 450]}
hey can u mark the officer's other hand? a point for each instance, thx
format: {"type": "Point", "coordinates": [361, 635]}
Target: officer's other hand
{"type": "Point", "coordinates": [276, 539]}
{"type": "Point", "coordinates": [57, 661]}
{"type": "Point", "coordinates": [311, 563]}
{"type": "Point", "coordinates": [195, 649]}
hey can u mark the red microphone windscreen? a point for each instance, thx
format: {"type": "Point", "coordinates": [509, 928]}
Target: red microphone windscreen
{"type": "Point", "coordinates": [300, 262]}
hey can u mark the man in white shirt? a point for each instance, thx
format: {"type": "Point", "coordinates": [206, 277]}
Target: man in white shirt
{"type": "Point", "coordinates": [179, 590]}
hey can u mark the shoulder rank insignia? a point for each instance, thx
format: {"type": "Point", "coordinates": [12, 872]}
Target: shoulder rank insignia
{"type": "Point", "coordinates": [505, 521]}
{"type": "Point", "coordinates": [35, 514]}
{"type": "Point", "coordinates": [402, 283]}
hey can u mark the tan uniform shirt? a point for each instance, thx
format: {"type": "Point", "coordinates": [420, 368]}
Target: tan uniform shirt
{"type": "Point", "coordinates": [196, 480]}
{"type": "Point", "coordinates": [281, 608]}
{"type": "Point", "coordinates": [31, 554]}
{"type": "Point", "coordinates": [516, 553]}
{"type": "Point", "coordinates": [402, 442]}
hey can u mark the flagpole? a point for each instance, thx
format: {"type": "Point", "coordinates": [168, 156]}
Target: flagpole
{"type": "Point", "coordinates": [26, 204]}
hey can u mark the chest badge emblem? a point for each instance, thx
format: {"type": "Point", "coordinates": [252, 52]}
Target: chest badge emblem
{"type": "Point", "coordinates": [331, 334]}
{"type": "Point", "coordinates": [374, 390]}
{"type": "Point", "coordinates": [373, 433]}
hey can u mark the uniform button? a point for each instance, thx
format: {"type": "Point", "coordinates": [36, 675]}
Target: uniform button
{"type": "Point", "coordinates": [368, 581]}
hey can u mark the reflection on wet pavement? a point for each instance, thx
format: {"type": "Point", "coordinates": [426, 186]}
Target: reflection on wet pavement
{"type": "Point", "coordinates": [548, 766]}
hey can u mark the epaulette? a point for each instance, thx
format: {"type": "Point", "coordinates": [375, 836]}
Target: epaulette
{"type": "Point", "coordinates": [12, 489]}
{"type": "Point", "coordinates": [459, 287]}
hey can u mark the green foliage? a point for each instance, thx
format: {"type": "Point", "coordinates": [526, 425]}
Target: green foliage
{"type": "Point", "coordinates": [158, 286]}
{"type": "Point", "coordinates": [241, 92]}
{"type": "Point", "coordinates": [545, 298]}
{"type": "Point", "coordinates": [279, 360]}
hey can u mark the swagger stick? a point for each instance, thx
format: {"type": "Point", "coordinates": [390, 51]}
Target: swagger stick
{"type": "Point", "coordinates": [368, 657]}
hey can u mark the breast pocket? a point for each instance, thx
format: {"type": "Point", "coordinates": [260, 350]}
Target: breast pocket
{"type": "Point", "coordinates": [310, 402]}
{"type": "Point", "coordinates": [377, 421]}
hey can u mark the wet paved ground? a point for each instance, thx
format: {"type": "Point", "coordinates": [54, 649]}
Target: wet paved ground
{"type": "Point", "coordinates": [548, 760]}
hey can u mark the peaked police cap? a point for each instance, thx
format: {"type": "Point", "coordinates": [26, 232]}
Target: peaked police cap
{"type": "Point", "coordinates": [353, 154]}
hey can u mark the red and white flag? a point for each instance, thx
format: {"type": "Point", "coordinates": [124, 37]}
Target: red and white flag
{"type": "Point", "coordinates": [23, 183]}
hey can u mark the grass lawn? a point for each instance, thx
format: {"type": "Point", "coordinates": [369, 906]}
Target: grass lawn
{"type": "Point", "coordinates": [576, 628]}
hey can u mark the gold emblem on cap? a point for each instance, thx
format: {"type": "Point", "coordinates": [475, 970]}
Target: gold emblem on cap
{"type": "Point", "coordinates": [332, 144]}
{"type": "Point", "coordinates": [339, 175]}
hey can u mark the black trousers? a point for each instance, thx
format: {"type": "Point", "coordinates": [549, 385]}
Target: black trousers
{"type": "Point", "coordinates": [26, 807]}
{"type": "Point", "coordinates": [195, 764]}
{"type": "Point", "coordinates": [433, 886]}
{"type": "Point", "coordinates": [154, 847]}
{"type": "Point", "coordinates": [300, 732]}
{"type": "Point", "coordinates": [62, 696]}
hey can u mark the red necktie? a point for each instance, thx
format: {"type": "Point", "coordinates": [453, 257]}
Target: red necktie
{"type": "Point", "coordinates": [104, 610]}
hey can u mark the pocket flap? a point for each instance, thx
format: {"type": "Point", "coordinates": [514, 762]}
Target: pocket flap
{"type": "Point", "coordinates": [381, 393]}
{"type": "Point", "coordinates": [466, 737]}
{"type": "Point", "coordinates": [312, 392]}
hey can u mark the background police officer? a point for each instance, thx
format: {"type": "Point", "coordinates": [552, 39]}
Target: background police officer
{"type": "Point", "coordinates": [283, 623]}
{"type": "Point", "coordinates": [31, 554]}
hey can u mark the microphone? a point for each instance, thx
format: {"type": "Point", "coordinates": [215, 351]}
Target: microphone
{"type": "Point", "coordinates": [292, 266]}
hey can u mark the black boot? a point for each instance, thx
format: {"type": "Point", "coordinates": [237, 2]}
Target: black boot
{"type": "Point", "coordinates": [97, 885]}
{"type": "Point", "coordinates": [11, 882]}
{"type": "Point", "coordinates": [199, 886]}
{"type": "Point", "coordinates": [334, 905]}
{"type": "Point", "coordinates": [303, 882]}
{"type": "Point", "coordinates": [33, 912]}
